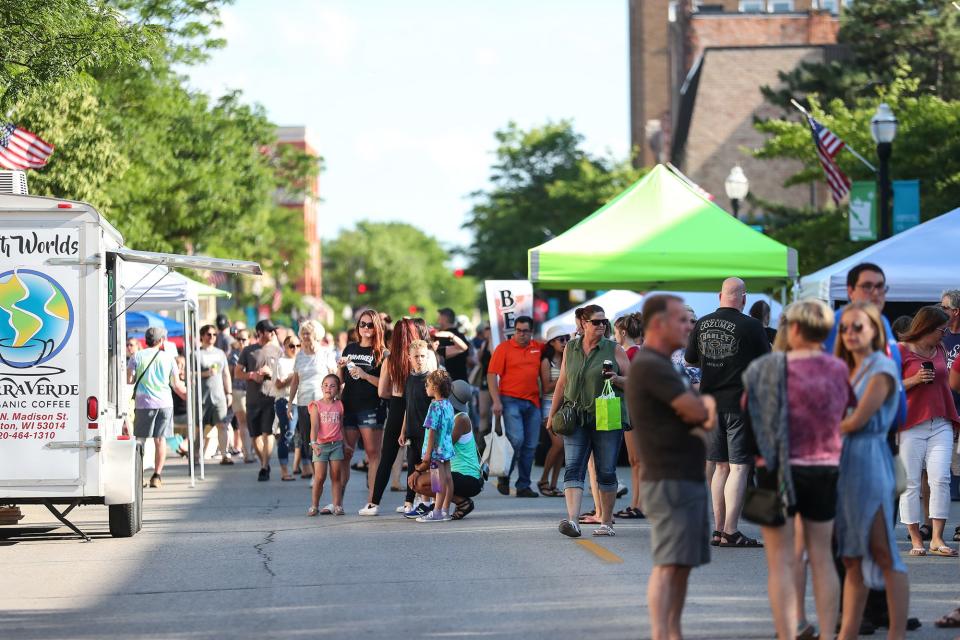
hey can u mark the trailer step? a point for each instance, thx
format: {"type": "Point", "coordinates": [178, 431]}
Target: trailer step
{"type": "Point", "coordinates": [10, 515]}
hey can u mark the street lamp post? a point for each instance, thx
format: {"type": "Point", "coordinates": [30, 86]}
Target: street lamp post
{"type": "Point", "coordinates": [737, 187]}
{"type": "Point", "coordinates": [883, 128]}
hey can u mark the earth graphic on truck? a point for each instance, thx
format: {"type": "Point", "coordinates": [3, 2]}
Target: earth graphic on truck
{"type": "Point", "coordinates": [36, 318]}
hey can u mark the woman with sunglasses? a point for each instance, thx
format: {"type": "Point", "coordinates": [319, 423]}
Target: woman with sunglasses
{"type": "Point", "coordinates": [866, 485]}
{"type": "Point", "coordinates": [550, 360]}
{"type": "Point", "coordinates": [286, 411]}
{"type": "Point", "coordinates": [582, 378]}
{"type": "Point", "coordinates": [926, 438]}
{"type": "Point", "coordinates": [360, 364]}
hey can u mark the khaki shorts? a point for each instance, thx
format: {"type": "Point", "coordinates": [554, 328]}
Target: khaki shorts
{"type": "Point", "coordinates": [239, 401]}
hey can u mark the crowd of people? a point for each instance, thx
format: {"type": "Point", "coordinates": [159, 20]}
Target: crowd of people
{"type": "Point", "coordinates": [823, 432]}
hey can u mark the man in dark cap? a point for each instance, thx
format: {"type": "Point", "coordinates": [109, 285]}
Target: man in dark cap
{"type": "Point", "coordinates": [253, 368]}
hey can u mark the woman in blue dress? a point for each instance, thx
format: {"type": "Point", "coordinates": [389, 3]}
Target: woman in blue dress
{"type": "Point", "coordinates": [866, 485]}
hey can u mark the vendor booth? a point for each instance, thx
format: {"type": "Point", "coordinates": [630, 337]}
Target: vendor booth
{"type": "Point", "coordinates": [617, 303]}
{"type": "Point", "coordinates": [150, 287]}
{"type": "Point", "coordinates": [661, 234]}
{"type": "Point", "coordinates": [919, 264]}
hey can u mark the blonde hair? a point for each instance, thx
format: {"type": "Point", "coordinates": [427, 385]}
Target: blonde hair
{"type": "Point", "coordinates": [312, 328]}
{"type": "Point", "coordinates": [416, 345]}
{"type": "Point", "coordinates": [813, 318]}
{"type": "Point", "coordinates": [879, 342]}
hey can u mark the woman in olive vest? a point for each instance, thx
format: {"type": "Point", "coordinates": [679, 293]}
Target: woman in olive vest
{"type": "Point", "coordinates": [581, 381]}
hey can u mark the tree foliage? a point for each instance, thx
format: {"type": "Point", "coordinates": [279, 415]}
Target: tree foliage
{"type": "Point", "coordinates": [926, 147]}
{"type": "Point", "coordinates": [543, 182]}
{"type": "Point", "coordinates": [880, 37]}
{"type": "Point", "coordinates": [401, 267]}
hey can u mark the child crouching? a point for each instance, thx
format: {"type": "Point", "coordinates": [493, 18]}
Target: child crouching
{"type": "Point", "coordinates": [326, 439]}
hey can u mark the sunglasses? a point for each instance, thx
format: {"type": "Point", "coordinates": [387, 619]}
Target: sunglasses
{"type": "Point", "coordinates": [365, 325]}
{"type": "Point", "coordinates": [563, 338]}
{"type": "Point", "coordinates": [599, 323]}
{"type": "Point", "coordinates": [293, 345]}
{"type": "Point", "coordinates": [210, 334]}
{"type": "Point", "coordinates": [855, 327]}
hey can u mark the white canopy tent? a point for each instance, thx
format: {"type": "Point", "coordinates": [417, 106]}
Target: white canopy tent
{"type": "Point", "coordinates": [618, 302]}
{"type": "Point", "coordinates": [919, 264]}
{"type": "Point", "coordinates": [157, 288]}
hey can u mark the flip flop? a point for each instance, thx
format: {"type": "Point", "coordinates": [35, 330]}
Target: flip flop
{"type": "Point", "coordinates": [288, 479]}
{"type": "Point", "coordinates": [944, 551]}
{"type": "Point", "coordinates": [589, 519]}
{"type": "Point", "coordinates": [949, 621]}
{"type": "Point", "coordinates": [918, 551]}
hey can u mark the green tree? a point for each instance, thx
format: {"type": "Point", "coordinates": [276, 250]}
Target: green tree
{"type": "Point", "coordinates": [401, 266]}
{"type": "Point", "coordinates": [926, 147]}
{"type": "Point", "coordinates": [879, 37]}
{"type": "Point", "coordinates": [544, 182]}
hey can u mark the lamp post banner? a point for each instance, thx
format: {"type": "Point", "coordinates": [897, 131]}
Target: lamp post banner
{"type": "Point", "coordinates": [506, 300]}
{"type": "Point", "coordinates": [906, 204]}
{"type": "Point", "coordinates": [863, 211]}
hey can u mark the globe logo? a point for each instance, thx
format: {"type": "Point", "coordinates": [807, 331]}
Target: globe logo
{"type": "Point", "coordinates": [36, 318]}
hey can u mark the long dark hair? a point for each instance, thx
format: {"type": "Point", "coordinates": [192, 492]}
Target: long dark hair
{"type": "Point", "coordinates": [378, 344]}
{"type": "Point", "coordinates": [398, 363]}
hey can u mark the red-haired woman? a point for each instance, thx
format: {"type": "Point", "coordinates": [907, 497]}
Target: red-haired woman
{"type": "Point", "coordinates": [393, 377]}
{"type": "Point", "coordinates": [360, 365]}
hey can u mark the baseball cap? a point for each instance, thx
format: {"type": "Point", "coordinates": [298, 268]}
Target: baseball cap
{"type": "Point", "coordinates": [460, 395]}
{"type": "Point", "coordinates": [155, 335]}
{"type": "Point", "coordinates": [222, 322]}
{"type": "Point", "coordinates": [265, 326]}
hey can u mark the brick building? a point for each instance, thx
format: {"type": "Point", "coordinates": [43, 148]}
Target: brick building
{"type": "Point", "coordinates": [696, 69]}
{"type": "Point", "coordinates": [310, 282]}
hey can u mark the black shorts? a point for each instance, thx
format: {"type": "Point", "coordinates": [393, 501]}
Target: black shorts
{"type": "Point", "coordinates": [815, 488]}
{"type": "Point", "coordinates": [730, 441]}
{"type": "Point", "coordinates": [366, 419]}
{"type": "Point", "coordinates": [466, 486]}
{"type": "Point", "coordinates": [260, 417]}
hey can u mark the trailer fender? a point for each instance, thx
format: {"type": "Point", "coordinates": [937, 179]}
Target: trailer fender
{"type": "Point", "coordinates": [119, 460]}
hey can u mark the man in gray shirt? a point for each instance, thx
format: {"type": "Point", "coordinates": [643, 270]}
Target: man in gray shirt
{"type": "Point", "coordinates": [216, 390]}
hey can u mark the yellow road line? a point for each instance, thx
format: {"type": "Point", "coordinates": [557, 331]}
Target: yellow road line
{"type": "Point", "coordinates": [600, 552]}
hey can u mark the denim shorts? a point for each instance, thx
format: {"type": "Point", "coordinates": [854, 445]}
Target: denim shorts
{"type": "Point", "coordinates": [329, 451]}
{"type": "Point", "coordinates": [366, 419]}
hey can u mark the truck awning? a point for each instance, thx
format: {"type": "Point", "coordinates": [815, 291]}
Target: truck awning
{"type": "Point", "coordinates": [189, 262]}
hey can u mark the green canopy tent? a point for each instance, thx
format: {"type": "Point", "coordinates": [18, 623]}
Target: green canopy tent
{"type": "Point", "coordinates": [660, 234]}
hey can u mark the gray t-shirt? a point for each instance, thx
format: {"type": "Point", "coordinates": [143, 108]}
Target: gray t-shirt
{"type": "Point", "coordinates": [213, 361]}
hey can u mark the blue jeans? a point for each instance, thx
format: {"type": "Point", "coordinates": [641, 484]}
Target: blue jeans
{"type": "Point", "coordinates": [288, 428]}
{"type": "Point", "coordinates": [521, 421]}
{"type": "Point", "coordinates": [605, 446]}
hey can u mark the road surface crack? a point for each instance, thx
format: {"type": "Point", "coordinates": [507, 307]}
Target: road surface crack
{"type": "Point", "coordinates": [262, 552]}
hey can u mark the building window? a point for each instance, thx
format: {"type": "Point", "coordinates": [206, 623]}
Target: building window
{"type": "Point", "coordinates": [751, 6]}
{"type": "Point", "coordinates": [829, 5]}
{"type": "Point", "coordinates": [781, 6]}
{"type": "Point", "coordinates": [672, 11]}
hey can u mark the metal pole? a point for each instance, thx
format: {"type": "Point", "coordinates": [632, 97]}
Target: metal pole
{"type": "Point", "coordinates": [735, 203]}
{"type": "Point", "coordinates": [191, 420]}
{"type": "Point", "coordinates": [884, 150]}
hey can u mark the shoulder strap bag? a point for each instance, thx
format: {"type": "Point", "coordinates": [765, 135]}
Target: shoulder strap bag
{"type": "Point", "coordinates": [136, 384]}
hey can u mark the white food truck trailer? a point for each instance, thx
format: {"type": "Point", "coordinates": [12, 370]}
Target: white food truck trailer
{"type": "Point", "coordinates": [65, 433]}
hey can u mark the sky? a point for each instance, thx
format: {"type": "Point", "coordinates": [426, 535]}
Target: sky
{"type": "Point", "coordinates": [403, 98]}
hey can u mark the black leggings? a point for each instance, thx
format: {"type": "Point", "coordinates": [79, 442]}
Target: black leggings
{"type": "Point", "coordinates": [413, 459]}
{"type": "Point", "coordinates": [390, 448]}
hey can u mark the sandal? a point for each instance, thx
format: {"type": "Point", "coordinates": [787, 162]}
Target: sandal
{"type": "Point", "coordinates": [715, 538]}
{"type": "Point", "coordinates": [551, 492]}
{"type": "Point", "coordinates": [312, 511]}
{"type": "Point", "coordinates": [956, 534]}
{"type": "Point", "coordinates": [589, 519]}
{"type": "Point", "coordinates": [630, 513]}
{"type": "Point", "coordinates": [327, 510]}
{"type": "Point", "coordinates": [338, 511]}
{"type": "Point", "coordinates": [463, 509]}
{"type": "Point", "coordinates": [918, 551]}
{"type": "Point", "coordinates": [944, 551]}
{"type": "Point", "coordinates": [737, 539]}
{"type": "Point", "coordinates": [949, 621]}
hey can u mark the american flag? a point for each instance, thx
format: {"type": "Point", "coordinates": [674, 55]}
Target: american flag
{"type": "Point", "coordinates": [828, 146]}
{"type": "Point", "coordinates": [216, 278]}
{"type": "Point", "coordinates": [20, 149]}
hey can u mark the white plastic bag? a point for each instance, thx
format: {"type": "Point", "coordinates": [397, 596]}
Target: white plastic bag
{"type": "Point", "coordinates": [498, 453]}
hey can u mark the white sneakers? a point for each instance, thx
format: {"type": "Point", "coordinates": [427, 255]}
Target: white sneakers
{"type": "Point", "coordinates": [370, 510]}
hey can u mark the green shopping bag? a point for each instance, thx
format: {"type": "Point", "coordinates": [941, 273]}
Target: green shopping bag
{"type": "Point", "coordinates": [608, 410]}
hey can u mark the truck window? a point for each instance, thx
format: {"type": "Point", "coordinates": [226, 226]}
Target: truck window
{"type": "Point", "coordinates": [113, 345]}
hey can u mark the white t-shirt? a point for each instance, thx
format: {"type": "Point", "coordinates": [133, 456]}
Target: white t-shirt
{"type": "Point", "coordinates": [312, 369]}
{"type": "Point", "coordinates": [273, 353]}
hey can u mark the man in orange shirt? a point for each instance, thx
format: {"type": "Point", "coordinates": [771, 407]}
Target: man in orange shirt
{"type": "Point", "coordinates": [516, 397]}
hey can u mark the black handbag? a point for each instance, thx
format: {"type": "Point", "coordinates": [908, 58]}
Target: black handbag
{"type": "Point", "coordinates": [765, 506]}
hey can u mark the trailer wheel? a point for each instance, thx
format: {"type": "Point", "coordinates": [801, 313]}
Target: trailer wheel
{"type": "Point", "coordinates": [126, 519]}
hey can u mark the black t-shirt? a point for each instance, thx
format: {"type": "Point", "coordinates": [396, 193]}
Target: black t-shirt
{"type": "Point", "coordinates": [360, 395]}
{"type": "Point", "coordinates": [415, 395]}
{"type": "Point", "coordinates": [771, 334]}
{"type": "Point", "coordinates": [456, 366]}
{"type": "Point", "coordinates": [252, 358]}
{"type": "Point", "coordinates": [723, 343]}
{"type": "Point", "coordinates": [668, 450]}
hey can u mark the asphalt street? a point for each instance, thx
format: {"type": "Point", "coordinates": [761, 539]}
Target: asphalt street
{"type": "Point", "coordinates": [237, 558]}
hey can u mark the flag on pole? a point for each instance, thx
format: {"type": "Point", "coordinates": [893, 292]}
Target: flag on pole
{"type": "Point", "coordinates": [20, 149]}
{"type": "Point", "coordinates": [828, 146]}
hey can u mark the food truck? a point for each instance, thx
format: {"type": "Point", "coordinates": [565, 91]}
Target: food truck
{"type": "Point", "coordinates": [65, 412]}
